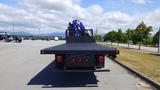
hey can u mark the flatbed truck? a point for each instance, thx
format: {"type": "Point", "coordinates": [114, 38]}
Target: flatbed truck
{"type": "Point", "coordinates": [80, 54]}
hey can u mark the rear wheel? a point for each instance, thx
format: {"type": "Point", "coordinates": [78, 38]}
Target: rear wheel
{"type": "Point", "coordinates": [20, 40]}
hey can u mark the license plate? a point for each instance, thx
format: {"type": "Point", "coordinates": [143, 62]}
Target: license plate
{"type": "Point", "coordinates": [79, 59]}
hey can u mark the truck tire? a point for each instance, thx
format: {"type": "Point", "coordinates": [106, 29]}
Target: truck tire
{"type": "Point", "coordinates": [20, 40]}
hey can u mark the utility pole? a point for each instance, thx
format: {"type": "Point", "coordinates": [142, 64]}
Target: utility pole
{"type": "Point", "coordinates": [159, 41]}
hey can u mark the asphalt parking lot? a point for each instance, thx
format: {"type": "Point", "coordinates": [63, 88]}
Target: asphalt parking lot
{"type": "Point", "coordinates": [23, 68]}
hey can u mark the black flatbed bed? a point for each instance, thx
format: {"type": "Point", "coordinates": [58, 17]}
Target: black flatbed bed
{"type": "Point", "coordinates": [79, 47]}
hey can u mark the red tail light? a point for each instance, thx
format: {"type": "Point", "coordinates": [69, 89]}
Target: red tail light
{"type": "Point", "coordinates": [59, 59]}
{"type": "Point", "coordinates": [101, 59]}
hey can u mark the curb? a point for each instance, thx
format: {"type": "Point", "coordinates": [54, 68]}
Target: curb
{"type": "Point", "coordinates": [140, 75]}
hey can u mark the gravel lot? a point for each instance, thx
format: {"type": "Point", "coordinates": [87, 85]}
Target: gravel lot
{"type": "Point", "coordinates": [23, 68]}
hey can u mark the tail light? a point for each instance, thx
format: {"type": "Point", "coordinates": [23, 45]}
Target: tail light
{"type": "Point", "coordinates": [101, 59]}
{"type": "Point", "coordinates": [59, 59]}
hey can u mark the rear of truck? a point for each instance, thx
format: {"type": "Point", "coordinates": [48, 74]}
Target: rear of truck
{"type": "Point", "coordinates": [79, 61]}
{"type": "Point", "coordinates": [80, 54]}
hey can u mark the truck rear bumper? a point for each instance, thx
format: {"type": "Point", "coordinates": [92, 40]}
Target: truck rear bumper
{"type": "Point", "coordinates": [79, 69]}
{"type": "Point", "coordinates": [68, 70]}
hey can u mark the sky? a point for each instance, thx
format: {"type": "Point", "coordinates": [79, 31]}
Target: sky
{"type": "Point", "coordinates": [49, 16]}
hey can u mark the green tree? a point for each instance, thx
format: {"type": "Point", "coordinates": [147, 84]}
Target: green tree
{"type": "Point", "coordinates": [111, 36]}
{"type": "Point", "coordinates": [129, 35]}
{"type": "Point", "coordinates": [124, 37]}
{"type": "Point", "coordinates": [141, 33]}
{"type": "Point", "coordinates": [98, 38]}
{"type": "Point", "coordinates": [148, 40]}
{"type": "Point", "coordinates": [119, 36]}
{"type": "Point", "coordinates": [155, 38]}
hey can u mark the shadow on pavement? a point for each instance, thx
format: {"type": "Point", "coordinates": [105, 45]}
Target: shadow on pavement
{"type": "Point", "coordinates": [50, 79]}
